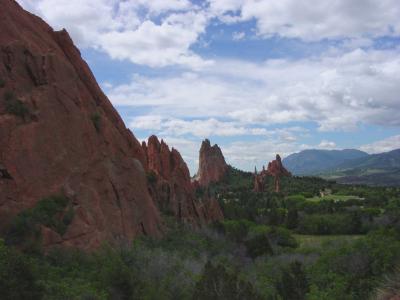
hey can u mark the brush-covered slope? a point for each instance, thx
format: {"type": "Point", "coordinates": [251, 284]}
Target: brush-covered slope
{"type": "Point", "coordinates": [313, 161]}
{"type": "Point", "coordinates": [375, 169]}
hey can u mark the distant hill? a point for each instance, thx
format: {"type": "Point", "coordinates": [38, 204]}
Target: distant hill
{"type": "Point", "coordinates": [311, 162]}
{"type": "Point", "coordinates": [375, 169]}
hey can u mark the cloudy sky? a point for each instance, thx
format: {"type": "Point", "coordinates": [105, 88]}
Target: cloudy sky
{"type": "Point", "coordinates": [258, 77]}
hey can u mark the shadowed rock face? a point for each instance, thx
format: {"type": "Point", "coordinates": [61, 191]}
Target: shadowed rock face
{"type": "Point", "coordinates": [212, 165]}
{"type": "Point", "coordinates": [61, 135]}
{"type": "Point", "coordinates": [172, 189]}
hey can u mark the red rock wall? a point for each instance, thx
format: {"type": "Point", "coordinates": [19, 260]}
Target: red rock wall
{"type": "Point", "coordinates": [56, 148]}
{"type": "Point", "coordinates": [173, 190]}
{"type": "Point", "coordinates": [212, 165]}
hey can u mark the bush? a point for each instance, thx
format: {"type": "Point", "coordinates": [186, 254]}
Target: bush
{"type": "Point", "coordinates": [258, 245]}
{"type": "Point", "coordinates": [217, 283]}
{"type": "Point", "coordinates": [236, 230]}
{"type": "Point", "coordinates": [15, 106]}
{"type": "Point", "coordinates": [96, 120]}
{"type": "Point", "coordinates": [18, 277]}
{"type": "Point", "coordinates": [352, 271]}
{"type": "Point", "coordinates": [151, 177]}
{"type": "Point", "coordinates": [293, 283]}
{"type": "Point", "coordinates": [344, 223]}
{"type": "Point", "coordinates": [25, 228]}
{"type": "Point", "coordinates": [2, 83]}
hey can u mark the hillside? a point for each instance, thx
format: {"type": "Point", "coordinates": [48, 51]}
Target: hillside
{"type": "Point", "coordinates": [313, 161]}
{"type": "Point", "coordinates": [376, 169]}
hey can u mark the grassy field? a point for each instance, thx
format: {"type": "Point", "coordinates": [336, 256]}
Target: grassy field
{"type": "Point", "coordinates": [308, 242]}
{"type": "Point", "coordinates": [333, 197]}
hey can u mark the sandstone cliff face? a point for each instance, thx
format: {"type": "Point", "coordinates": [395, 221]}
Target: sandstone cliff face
{"type": "Point", "coordinates": [276, 168]}
{"type": "Point", "coordinates": [59, 134]}
{"type": "Point", "coordinates": [171, 187]}
{"type": "Point", "coordinates": [212, 165]}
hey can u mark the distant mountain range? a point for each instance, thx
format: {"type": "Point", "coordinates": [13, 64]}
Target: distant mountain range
{"type": "Point", "coordinates": [347, 166]}
{"type": "Point", "coordinates": [311, 162]}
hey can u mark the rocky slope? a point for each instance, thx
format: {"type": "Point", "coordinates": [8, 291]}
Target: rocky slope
{"type": "Point", "coordinates": [60, 135]}
{"type": "Point", "coordinates": [212, 165]}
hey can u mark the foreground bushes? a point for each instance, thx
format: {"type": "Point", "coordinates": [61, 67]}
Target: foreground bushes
{"type": "Point", "coordinates": [52, 212]}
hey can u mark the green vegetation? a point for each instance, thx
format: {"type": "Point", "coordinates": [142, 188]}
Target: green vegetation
{"type": "Point", "coordinates": [53, 212]}
{"type": "Point", "coordinates": [333, 198]}
{"type": "Point", "coordinates": [270, 246]}
{"type": "Point", "coordinates": [96, 120]}
{"type": "Point", "coordinates": [2, 83]}
{"type": "Point", "coordinates": [15, 106]}
{"type": "Point", "coordinates": [151, 177]}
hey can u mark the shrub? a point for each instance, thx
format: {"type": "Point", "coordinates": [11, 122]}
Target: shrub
{"type": "Point", "coordinates": [151, 177]}
{"type": "Point", "coordinates": [348, 223]}
{"type": "Point", "coordinates": [293, 283]}
{"type": "Point", "coordinates": [258, 245]}
{"type": "Point", "coordinates": [292, 219]}
{"type": "Point", "coordinates": [18, 278]}
{"type": "Point", "coordinates": [15, 106]}
{"type": "Point", "coordinates": [25, 228]}
{"type": "Point", "coordinates": [217, 283]}
{"type": "Point", "coordinates": [2, 83]}
{"type": "Point", "coordinates": [96, 120]}
{"type": "Point", "coordinates": [236, 230]}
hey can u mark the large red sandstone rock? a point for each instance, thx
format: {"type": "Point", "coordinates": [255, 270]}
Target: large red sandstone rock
{"type": "Point", "coordinates": [212, 165]}
{"type": "Point", "coordinates": [171, 186]}
{"type": "Point", "coordinates": [56, 148]}
{"type": "Point", "coordinates": [275, 169]}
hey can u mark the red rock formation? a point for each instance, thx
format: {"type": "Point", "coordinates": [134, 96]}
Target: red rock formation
{"type": "Point", "coordinates": [259, 181]}
{"type": "Point", "coordinates": [171, 186]}
{"type": "Point", "coordinates": [67, 139]}
{"type": "Point", "coordinates": [212, 165]}
{"type": "Point", "coordinates": [275, 169]}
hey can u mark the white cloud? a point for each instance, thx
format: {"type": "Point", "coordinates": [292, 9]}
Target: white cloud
{"type": "Point", "coordinates": [158, 45]}
{"type": "Point", "coordinates": [388, 144]}
{"type": "Point", "coordinates": [155, 33]}
{"type": "Point", "coordinates": [200, 128]}
{"type": "Point", "coordinates": [314, 20]}
{"type": "Point", "coordinates": [159, 33]}
{"type": "Point", "coordinates": [237, 36]}
{"type": "Point", "coordinates": [246, 155]}
{"type": "Point", "coordinates": [328, 145]}
{"type": "Point", "coordinates": [338, 92]}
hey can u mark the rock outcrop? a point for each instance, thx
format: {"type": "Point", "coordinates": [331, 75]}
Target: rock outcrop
{"type": "Point", "coordinates": [171, 187]}
{"type": "Point", "coordinates": [275, 169]}
{"type": "Point", "coordinates": [59, 134]}
{"type": "Point", "coordinates": [212, 165]}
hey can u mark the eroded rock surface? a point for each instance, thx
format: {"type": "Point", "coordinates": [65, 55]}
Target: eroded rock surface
{"type": "Point", "coordinates": [212, 165]}
{"type": "Point", "coordinates": [171, 186]}
{"type": "Point", "coordinates": [59, 134]}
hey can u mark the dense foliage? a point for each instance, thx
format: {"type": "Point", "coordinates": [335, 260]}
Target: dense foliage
{"type": "Point", "coordinates": [289, 245]}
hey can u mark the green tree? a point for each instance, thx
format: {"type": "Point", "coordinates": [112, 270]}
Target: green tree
{"type": "Point", "coordinates": [293, 284]}
{"type": "Point", "coordinates": [217, 283]}
{"type": "Point", "coordinates": [18, 279]}
{"type": "Point", "coordinates": [292, 219]}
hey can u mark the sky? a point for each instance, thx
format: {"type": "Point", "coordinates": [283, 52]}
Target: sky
{"type": "Point", "coordinates": [257, 77]}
